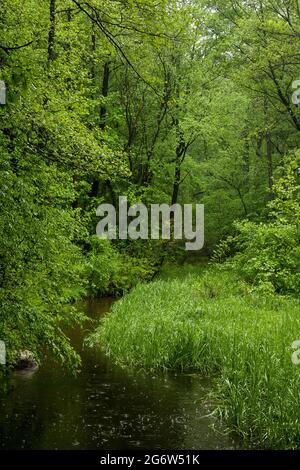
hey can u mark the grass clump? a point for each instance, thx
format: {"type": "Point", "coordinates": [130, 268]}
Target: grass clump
{"type": "Point", "coordinates": [213, 322]}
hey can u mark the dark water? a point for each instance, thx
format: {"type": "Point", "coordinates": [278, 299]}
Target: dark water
{"type": "Point", "coordinates": [107, 407]}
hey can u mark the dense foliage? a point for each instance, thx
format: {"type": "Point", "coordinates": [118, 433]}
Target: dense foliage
{"type": "Point", "coordinates": [268, 253]}
{"type": "Point", "coordinates": [164, 101]}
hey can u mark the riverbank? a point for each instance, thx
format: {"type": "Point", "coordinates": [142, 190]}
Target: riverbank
{"type": "Point", "coordinates": [213, 322]}
{"type": "Point", "coordinates": [107, 407]}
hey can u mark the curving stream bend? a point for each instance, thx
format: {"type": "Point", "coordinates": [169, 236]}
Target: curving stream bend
{"type": "Point", "coordinates": [107, 407]}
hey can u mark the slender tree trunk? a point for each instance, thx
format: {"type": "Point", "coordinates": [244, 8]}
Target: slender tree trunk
{"type": "Point", "coordinates": [176, 185]}
{"type": "Point", "coordinates": [51, 35]}
{"type": "Point", "coordinates": [93, 49]}
{"type": "Point", "coordinates": [180, 154]}
{"type": "Point", "coordinates": [103, 114]}
{"type": "Point", "coordinates": [242, 201]}
{"type": "Point", "coordinates": [270, 163]}
{"type": "Point", "coordinates": [105, 84]}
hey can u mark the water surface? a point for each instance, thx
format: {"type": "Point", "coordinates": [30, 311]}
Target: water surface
{"type": "Point", "coordinates": [107, 407]}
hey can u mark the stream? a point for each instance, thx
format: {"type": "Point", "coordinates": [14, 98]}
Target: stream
{"type": "Point", "coordinates": [107, 407]}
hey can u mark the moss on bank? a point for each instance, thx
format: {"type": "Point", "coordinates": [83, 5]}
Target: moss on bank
{"type": "Point", "coordinates": [213, 322]}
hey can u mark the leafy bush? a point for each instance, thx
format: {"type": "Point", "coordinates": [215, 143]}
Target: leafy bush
{"type": "Point", "coordinates": [41, 270]}
{"type": "Point", "coordinates": [268, 254]}
{"type": "Point", "coordinates": [110, 272]}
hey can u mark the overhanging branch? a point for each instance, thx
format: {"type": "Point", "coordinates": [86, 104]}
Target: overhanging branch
{"type": "Point", "coordinates": [8, 49]}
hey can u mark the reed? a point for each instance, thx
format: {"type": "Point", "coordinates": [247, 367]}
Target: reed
{"type": "Point", "coordinates": [214, 323]}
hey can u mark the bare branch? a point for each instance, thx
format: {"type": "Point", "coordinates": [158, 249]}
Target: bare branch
{"type": "Point", "coordinates": [8, 49]}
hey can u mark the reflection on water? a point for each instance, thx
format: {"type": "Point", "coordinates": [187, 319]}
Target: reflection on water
{"type": "Point", "coordinates": [107, 407]}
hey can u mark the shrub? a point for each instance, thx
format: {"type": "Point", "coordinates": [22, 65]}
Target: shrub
{"type": "Point", "coordinates": [111, 272]}
{"type": "Point", "coordinates": [268, 254]}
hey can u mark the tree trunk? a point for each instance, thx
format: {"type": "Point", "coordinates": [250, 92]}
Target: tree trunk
{"type": "Point", "coordinates": [180, 154]}
{"type": "Point", "coordinates": [270, 164]}
{"type": "Point", "coordinates": [105, 83]}
{"type": "Point", "coordinates": [51, 35]}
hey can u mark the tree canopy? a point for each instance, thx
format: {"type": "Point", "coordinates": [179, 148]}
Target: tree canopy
{"type": "Point", "coordinates": [160, 101]}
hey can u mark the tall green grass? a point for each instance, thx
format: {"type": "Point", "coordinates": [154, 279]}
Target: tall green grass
{"type": "Point", "coordinates": [214, 323]}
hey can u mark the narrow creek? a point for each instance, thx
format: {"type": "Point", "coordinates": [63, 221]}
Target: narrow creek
{"type": "Point", "coordinates": [107, 407]}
